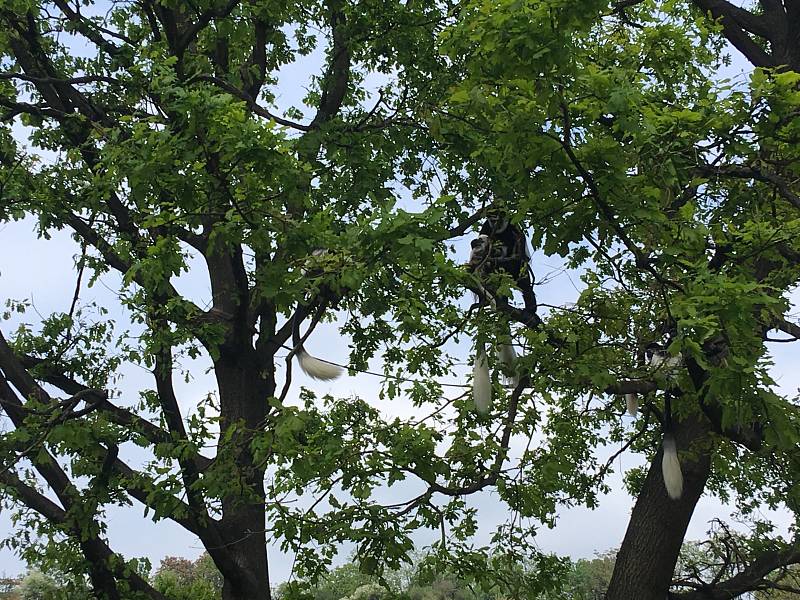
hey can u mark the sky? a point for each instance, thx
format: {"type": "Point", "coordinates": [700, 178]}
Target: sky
{"type": "Point", "coordinates": [43, 271]}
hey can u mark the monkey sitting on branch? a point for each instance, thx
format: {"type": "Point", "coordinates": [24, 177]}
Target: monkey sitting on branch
{"type": "Point", "coordinates": [500, 249]}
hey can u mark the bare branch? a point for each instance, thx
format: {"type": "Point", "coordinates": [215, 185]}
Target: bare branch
{"type": "Point", "coordinates": [752, 578]}
{"type": "Point", "coordinates": [755, 173]}
{"type": "Point", "coordinates": [788, 327]}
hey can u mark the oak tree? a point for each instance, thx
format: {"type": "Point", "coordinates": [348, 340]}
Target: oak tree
{"type": "Point", "coordinates": [156, 132]}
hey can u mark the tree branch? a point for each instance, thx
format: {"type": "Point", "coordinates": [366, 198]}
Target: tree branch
{"type": "Point", "coordinates": [751, 578]}
{"type": "Point", "coordinates": [336, 81]}
{"type": "Point", "coordinates": [755, 173]}
{"type": "Point", "coordinates": [116, 414]}
{"type": "Point", "coordinates": [736, 22]}
{"type": "Point", "coordinates": [189, 35]}
{"type": "Point", "coordinates": [88, 29]}
{"type": "Point", "coordinates": [170, 408]}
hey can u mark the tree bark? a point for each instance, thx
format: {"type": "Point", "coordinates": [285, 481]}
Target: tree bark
{"type": "Point", "coordinates": [249, 552]}
{"type": "Point", "coordinates": [778, 25]}
{"type": "Point", "coordinates": [243, 402]}
{"type": "Point", "coordinates": [646, 560]}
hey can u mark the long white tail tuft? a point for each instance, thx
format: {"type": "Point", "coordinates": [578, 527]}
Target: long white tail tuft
{"type": "Point", "coordinates": [316, 368]}
{"type": "Point", "coordinates": [481, 383]}
{"type": "Point", "coordinates": [671, 468]}
{"type": "Point", "coordinates": [508, 357]}
{"type": "Point", "coordinates": [632, 404]}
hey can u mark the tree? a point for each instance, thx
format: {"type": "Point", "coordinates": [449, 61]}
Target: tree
{"type": "Point", "coordinates": [589, 579]}
{"type": "Point", "coordinates": [342, 581]}
{"type": "Point", "coordinates": [601, 127]}
{"type": "Point", "coordinates": [736, 560]}
{"type": "Point", "coordinates": [675, 193]}
{"type": "Point", "coordinates": [40, 586]}
{"type": "Point", "coordinates": [182, 579]}
{"type": "Point", "coordinates": [171, 153]}
{"type": "Point", "coordinates": [8, 588]}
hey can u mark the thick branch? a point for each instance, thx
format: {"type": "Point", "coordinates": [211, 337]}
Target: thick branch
{"type": "Point", "coordinates": [258, 59]}
{"type": "Point", "coordinates": [749, 435]}
{"type": "Point", "coordinates": [788, 327]}
{"type": "Point", "coordinates": [736, 22]}
{"type": "Point", "coordinates": [87, 28]}
{"type": "Point", "coordinates": [188, 36]}
{"type": "Point", "coordinates": [33, 499]}
{"type": "Point", "coordinates": [335, 85]}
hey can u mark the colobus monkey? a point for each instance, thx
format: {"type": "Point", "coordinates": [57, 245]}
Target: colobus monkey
{"type": "Point", "coordinates": [500, 247]}
{"type": "Point", "coordinates": [660, 359]}
{"type": "Point", "coordinates": [481, 378]}
{"type": "Point", "coordinates": [312, 366]}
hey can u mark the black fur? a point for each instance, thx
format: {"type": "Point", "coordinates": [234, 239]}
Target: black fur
{"type": "Point", "coordinates": [501, 246]}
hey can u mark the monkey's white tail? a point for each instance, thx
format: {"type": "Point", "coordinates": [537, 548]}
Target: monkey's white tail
{"type": "Point", "coordinates": [632, 404]}
{"type": "Point", "coordinates": [316, 368]}
{"type": "Point", "coordinates": [671, 468]}
{"type": "Point", "coordinates": [481, 383]}
{"type": "Point", "coordinates": [508, 357]}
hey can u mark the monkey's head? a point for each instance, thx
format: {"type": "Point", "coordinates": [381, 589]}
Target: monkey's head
{"type": "Point", "coordinates": [495, 224]}
{"type": "Point", "coordinates": [481, 247]}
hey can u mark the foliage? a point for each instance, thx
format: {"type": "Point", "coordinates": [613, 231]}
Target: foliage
{"type": "Point", "coordinates": [9, 587]}
{"type": "Point", "coordinates": [39, 586]}
{"type": "Point", "coordinates": [182, 579]}
{"type": "Point", "coordinates": [342, 581]}
{"type": "Point", "coordinates": [158, 135]}
{"type": "Point", "coordinates": [440, 588]}
{"type": "Point", "coordinates": [589, 578]}
{"type": "Point", "coordinates": [368, 591]}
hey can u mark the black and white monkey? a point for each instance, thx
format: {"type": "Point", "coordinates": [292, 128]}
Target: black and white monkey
{"type": "Point", "coordinates": [665, 366]}
{"type": "Point", "coordinates": [660, 359]}
{"type": "Point", "coordinates": [312, 366]}
{"type": "Point", "coordinates": [663, 362]}
{"type": "Point", "coordinates": [500, 248]}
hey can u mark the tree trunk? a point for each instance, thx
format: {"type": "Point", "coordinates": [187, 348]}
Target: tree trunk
{"type": "Point", "coordinates": [104, 584]}
{"type": "Point", "coordinates": [646, 560]}
{"type": "Point", "coordinates": [249, 552]}
{"type": "Point", "coordinates": [243, 401]}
